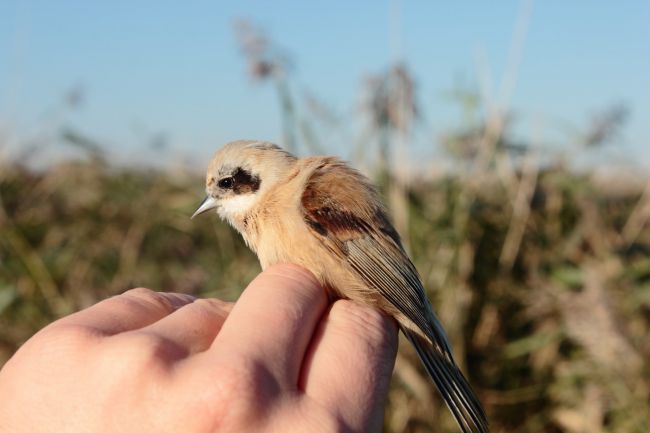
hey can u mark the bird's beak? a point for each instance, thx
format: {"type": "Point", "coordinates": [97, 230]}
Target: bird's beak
{"type": "Point", "coordinates": [208, 203]}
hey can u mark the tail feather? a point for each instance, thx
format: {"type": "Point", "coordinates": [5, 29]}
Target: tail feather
{"type": "Point", "coordinates": [451, 384]}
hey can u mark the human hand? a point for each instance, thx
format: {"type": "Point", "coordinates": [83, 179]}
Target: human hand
{"type": "Point", "coordinates": [279, 360]}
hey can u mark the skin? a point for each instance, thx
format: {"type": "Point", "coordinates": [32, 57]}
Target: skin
{"type": "Point", "coordinates": [279, 360]}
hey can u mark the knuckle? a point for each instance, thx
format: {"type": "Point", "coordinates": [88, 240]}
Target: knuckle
{"type": "Point", "coordinates": [211, 306]}
{"type": "Point", "coordinates": [360, 318]}
{"type": "Point", "coordinates": [375, 331]}
{"type": "Point", "coordinates": [145, 345]}
{"type": "Point", "coordinates": [289, 313]}
{"type": "Point", "coordinates": [294, 277]}
{"type": "Point", "coordinates": [140, 354]}
{"type": "Point", "coordinates": [139, 292]}
{"type": "Point", "coordinates": [61, 344]}
{"type": "Point", "coordinates": [239, 388]}
{"type": "Point", "coordinates": [71, 338]}
{"type": "Point", "coordinates": [241, 376]}
{"type": "Point", "coordinates": [141, 298]}
{"type": "Point", "coordinates": [73, 332]}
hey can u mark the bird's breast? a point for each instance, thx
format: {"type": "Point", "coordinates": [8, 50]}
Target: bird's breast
{"type": "Point", "coordinates": [289, 240]}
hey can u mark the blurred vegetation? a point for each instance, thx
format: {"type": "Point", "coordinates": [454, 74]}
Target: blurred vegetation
{"type": "Point", "coordinates": [541, 275]}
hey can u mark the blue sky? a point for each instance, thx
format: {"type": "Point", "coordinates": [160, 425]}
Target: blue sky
{"type": "Point", "coordinates": [168, 67]}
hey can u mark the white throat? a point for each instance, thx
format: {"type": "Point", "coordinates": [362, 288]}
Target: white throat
{"type": "Point", "coordinates": [234, 209]}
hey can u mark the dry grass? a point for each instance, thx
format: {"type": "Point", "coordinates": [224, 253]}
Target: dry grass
{"type": "Point", "coordinates": [554, 336]}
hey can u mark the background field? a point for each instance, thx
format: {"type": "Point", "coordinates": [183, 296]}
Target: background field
{"type": "Point", "coordinates": [537, 261]}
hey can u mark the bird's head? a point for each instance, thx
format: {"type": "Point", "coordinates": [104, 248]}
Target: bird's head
{"type": "Point", "coordinates": [239, 173]}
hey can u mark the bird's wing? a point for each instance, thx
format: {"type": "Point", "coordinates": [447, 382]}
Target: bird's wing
{"type": "Point", "coordinates": [343, 210]}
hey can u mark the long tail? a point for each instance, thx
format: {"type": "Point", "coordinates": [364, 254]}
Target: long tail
{"type": "Point", "coordinates": [451, 383]}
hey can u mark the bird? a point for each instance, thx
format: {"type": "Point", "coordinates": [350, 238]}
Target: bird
{"type": "Point", "coordinates": [322, 214]}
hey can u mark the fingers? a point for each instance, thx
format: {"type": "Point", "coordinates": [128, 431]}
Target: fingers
{"type": "Point", "coordinates": [133, 309]}
{"type": "Point", "coordinates": [349, 365]}
{"type": "Point", "coordinates": [273, 321]}
{"type": "Point", "coordinates": [193, 326]}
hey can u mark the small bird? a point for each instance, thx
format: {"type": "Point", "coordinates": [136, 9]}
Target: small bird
{"type": "Point", "coordinates": [323, 215]}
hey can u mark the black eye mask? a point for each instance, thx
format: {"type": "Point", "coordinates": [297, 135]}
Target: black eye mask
{"type": "Point", "coordinates": [241, 182]}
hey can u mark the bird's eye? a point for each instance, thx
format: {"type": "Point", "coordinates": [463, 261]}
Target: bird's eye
{"type": "Point", "coordinates": [226, 183]}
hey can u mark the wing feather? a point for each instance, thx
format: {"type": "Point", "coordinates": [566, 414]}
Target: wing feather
{"type": "Point", "coordinates": [343, 210]}
{"type": "Point", "coordinates": [359, 231]}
